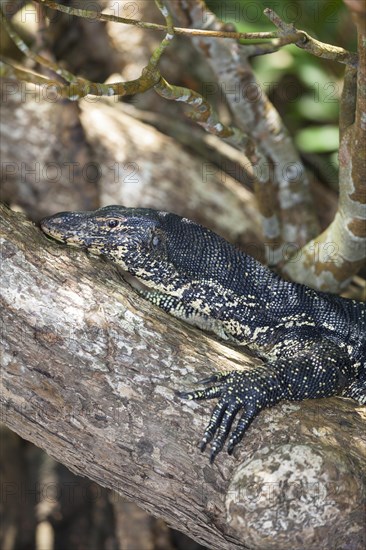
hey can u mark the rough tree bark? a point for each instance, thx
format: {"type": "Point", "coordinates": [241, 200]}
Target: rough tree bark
{"type": "Point", "coordinates": [88, 373]}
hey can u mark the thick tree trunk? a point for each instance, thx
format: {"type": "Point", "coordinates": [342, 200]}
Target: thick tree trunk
{"type": "Point", "coordinates": [88, 374]}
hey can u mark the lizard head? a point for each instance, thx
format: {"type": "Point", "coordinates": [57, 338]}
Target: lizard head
{"type": "Point", "coordinates": [159, 248]}
{"type": "Point", "coordinates": [127, 236]}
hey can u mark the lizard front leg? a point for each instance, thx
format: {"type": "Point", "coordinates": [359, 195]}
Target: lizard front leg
{"type": "Point", "coordinates": [319, 368]}
{"type": "Point", "coordinates": [306, 366]}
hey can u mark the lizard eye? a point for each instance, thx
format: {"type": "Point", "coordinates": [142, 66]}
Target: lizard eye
{"type": "Point", "coordinates": [112, 223]}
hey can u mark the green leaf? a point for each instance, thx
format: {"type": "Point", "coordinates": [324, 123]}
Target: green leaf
{"type": "Point", "coordinates": [318, 111]}
{"type": "Point", "coordinates": [318, 139]}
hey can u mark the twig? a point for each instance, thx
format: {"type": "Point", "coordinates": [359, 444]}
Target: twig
{"type": "Point", "coordinates": [168, 37]}
{"type": "Point", "coordinates": [310, 44]}
{"type": "Point", "coordinates": [203, 113]}
{"type": "Point", "coordinates": [95, 15]}
{"type": "Point", "coordinates": [9, 70]}
{"type": "Point", "coordinates": [271, 47]}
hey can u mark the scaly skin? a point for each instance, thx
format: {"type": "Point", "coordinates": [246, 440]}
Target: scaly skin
{"type": "Point", "coordinates": [313, 344]}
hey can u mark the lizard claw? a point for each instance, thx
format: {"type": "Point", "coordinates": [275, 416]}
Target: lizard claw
{"type": "Point", "coordinates": [208, 393]}
{"type": "Point", "coordinates": [237, 435]}
{"type": "Point", "coordinates": [214, 452]}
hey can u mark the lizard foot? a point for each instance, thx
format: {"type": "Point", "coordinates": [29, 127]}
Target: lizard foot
{"type": "Point", "coordinates": [250, 390]}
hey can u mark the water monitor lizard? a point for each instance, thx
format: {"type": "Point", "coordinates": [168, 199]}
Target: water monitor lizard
{"type": "Point", "coordinates": [313, 344]}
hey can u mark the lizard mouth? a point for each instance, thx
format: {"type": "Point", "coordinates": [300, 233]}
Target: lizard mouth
{"type": "Point", "coordinates": [55, 237]}
{"type": "Point", "coordinates": [52, 237]}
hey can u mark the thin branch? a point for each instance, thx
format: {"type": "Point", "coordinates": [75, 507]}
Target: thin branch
{"type": "Point", "coordinates": [310, 44]}
{"type": "Point", "coordinates": [168, 37]}
{"type": "Point", "coordinates": [271, 47]}
{"type": "Point", "coordinates": [9, 70]}
{"type": "Point", "coordinates": [167, 16]}
{"type": "Point", "coordinates": [202, 111]}
{"type": "Point", "coordinates": [95, 15]}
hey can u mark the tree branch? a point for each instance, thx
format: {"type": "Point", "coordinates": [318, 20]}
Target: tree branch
{"type": "Point", "coordinates": [329, 261]}
{"type": "Point", "coordinates": [88, 373]}
{"type": "Point", "coordinates": [347, 107]}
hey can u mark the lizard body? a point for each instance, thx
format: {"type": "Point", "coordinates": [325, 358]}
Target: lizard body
{"type": "Point", "coordinates": [313, 344]}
